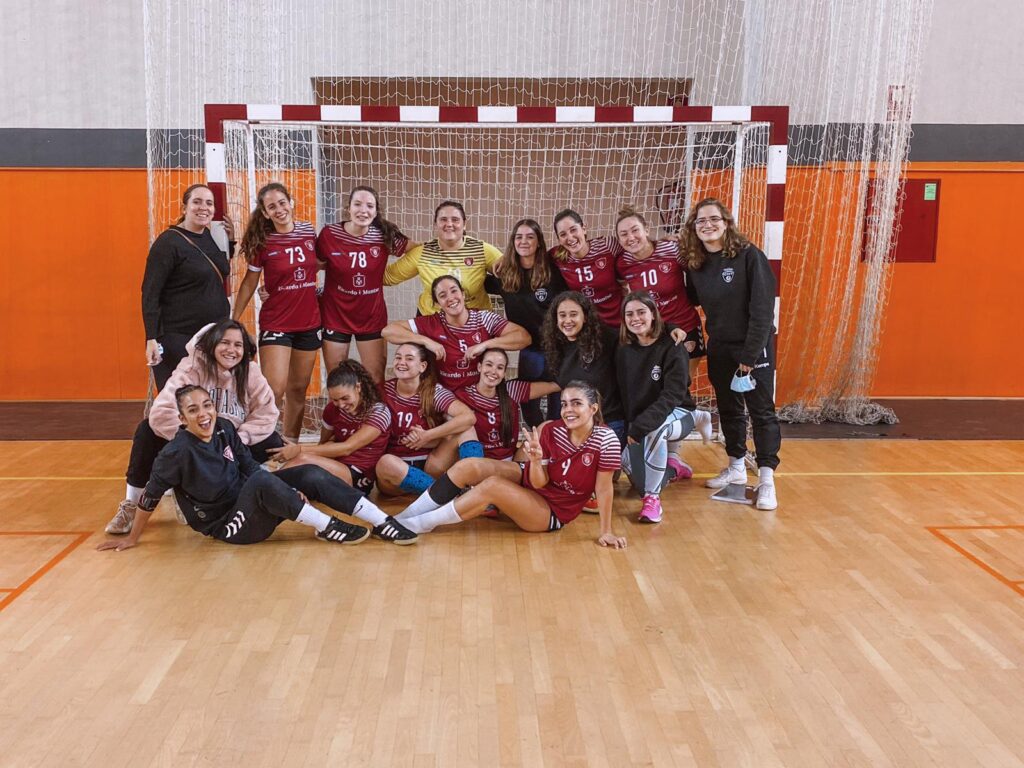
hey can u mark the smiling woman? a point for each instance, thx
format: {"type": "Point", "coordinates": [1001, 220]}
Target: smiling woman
{"type": "Point", "coordinates": [183, 287]}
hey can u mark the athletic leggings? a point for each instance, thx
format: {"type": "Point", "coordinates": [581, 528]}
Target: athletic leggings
{"type": "Point", "coordinates": [646, 463]}
{"type": "Point", "coordinates": [269, 498]}
{"type": "Point", "coordinates": [146, 444]}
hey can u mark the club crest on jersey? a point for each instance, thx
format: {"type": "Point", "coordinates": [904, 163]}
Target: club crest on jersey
{"type": "Point", "coordinates": [228, 453]}
{"type": "Point", "coordinates": [665, 267]}
{"type": "Point", "coordinates": [359, 280]}
{"type": "Point", "coordinates": [299, 274]}
{"type": "Point", "coordinates": [476, 337]}
{"type": "Point", "coordinates": [656, 373]}
{"type": "Point", "coordinates": [463, 364]}
{"type": "Point", "coordinates": [602, 263]}
{"type": "Point", "coordinates": [588, 292]}
{"type": "Point", "coordinates": [728, 274]}
{"type": "Point", "coordinates": [375, 252]}
{"type": "Point", "coordinates": [588, 459]}
{"type": "Point", "coordinates": [541, 294]}
{"type": "Point", "coordinates": [468, 261]}
{"type": "Point", "coordinates": [310, 246]}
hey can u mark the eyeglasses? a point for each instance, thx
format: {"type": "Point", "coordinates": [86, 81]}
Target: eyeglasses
{"type": "Point", "coordinates": [708, 220]}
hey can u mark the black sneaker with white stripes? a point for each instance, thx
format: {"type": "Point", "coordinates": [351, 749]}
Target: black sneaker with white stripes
{"type": "Point", "coordinates": [340, 532]}
{"type": "Point", "coordinates": [393, 531]}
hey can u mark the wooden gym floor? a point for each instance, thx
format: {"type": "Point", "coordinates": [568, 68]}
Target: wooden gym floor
{"type": "Point", "coordinates": [877, 619]}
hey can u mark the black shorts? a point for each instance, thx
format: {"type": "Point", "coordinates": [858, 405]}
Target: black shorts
{"type": "Point", "coordinates": [301, 341]}
{"type": "Point", "coordinates": [697, 335]}
{"type": "Point", "coordinates": [344, 338]}
{"type": "Point", "coordinates": [360, 481]}
{"type": "Point", "coordinates": [419, 463]}
{"type": "Point", "coordinates": [554, 524]}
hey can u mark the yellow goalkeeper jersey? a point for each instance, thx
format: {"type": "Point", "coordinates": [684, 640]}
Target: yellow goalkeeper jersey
{"type": "Point", "coordinates": [469, 264]}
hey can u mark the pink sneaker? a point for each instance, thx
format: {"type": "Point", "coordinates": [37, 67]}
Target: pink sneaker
{"type": "Point", "coordinates": [683, 470]}
{"type": "Point", "coordinates": [651, 511]}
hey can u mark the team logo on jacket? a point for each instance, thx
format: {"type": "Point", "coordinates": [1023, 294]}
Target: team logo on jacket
{"type": "Point", "coordinates": [359, 280]}
{"type": "Point", "coordinates": [468, 261]}
{"type": "Point", "coordinates": [310, 246]}
{"type": "Point", "coordinates": [228, 453]}
{"type": "Point", "coordinates": [300, 274]}
{"type": "Point", "coordinates": [588, 459]}
{"type": "Point", "coordinates": [728, 274]}
{"type": "Point", "coordinates": [656, 373]}
{"type": "Point", "coordinates": [541, 294]}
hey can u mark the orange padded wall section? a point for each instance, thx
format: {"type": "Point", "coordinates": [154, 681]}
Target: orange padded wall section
{"type": "Point", "coordinates": [70, 276]}
{"type": "Point", "coordinates": [952, 328]}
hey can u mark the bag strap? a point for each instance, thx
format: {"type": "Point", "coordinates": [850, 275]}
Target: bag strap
{"type": "Point", "coordinates": [209, 261]}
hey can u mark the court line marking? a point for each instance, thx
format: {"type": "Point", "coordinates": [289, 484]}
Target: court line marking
{"type": "Point", "coordinates": [14, 594]}
{"type": "Point", "coordinates": [698, 475]}
{"type": "Point", "coordinates": [935, 530]}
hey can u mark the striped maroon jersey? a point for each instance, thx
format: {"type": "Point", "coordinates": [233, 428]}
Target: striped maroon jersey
{"type": "Point", "coordinates": [345, 425]}
{"type": "Point", "coordinates": [406, 413]}
{"type": "Point", "coordinates": [662, 276]}
{"type": "Point", "coordinates": [288, 263]}
{"type": "Point", "coordinates": [488, 417]}
{"type": "Point", "coordinates": [455, 370]}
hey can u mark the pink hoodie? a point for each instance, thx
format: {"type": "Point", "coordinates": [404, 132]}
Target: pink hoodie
{"type": "Point", "coordinates": [254, 423]}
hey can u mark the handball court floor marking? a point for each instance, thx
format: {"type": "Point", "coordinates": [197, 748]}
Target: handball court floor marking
{"type": "Point", "coordinates": [940, 532]}
{"type": "Point", "coordinates": [9, 594]}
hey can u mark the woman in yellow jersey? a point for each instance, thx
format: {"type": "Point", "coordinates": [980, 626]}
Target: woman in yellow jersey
{"type": "Point", "coordinates": [452, 252]}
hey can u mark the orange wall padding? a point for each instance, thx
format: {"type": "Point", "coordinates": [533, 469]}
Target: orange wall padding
{"type": "Point", "coordinates": [953, 328]}
{"type": "Point", "coordinates": [70, 276]}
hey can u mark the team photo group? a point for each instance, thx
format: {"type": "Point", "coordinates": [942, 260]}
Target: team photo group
{"type": "Point", "coordinates": [608, 338]}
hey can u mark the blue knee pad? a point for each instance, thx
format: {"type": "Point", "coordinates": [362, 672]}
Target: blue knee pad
{"type": "Point", "coordinates": [416, 481]}
{"type": "Point", "coordinates": [471, 449]}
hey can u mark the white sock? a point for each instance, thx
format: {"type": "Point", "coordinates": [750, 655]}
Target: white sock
{"type": "Point", "coordinates": [133, 494]}
{"type": "Point", "coordinates": [370, 512]}
{"type": "Point", "coordinates": [428, 521]}
{"type": "Point", "coordinates": [313, 517]}
{"type": "Point", "coordinates": [737, 465]}
{"type": "Point", "coordinates": [423, 504]}
{"type": "Point", "coordinates": [766, 476]}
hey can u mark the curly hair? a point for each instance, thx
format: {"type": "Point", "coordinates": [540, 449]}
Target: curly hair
{"type": "Point", "coordinates": [512, 275]}
{"type": "Point", "coordinates": [351, 373]}
{"type": "Point", "coordinates": [207, 345]}
{"type": "Point", "coordinates": [589, 342]}
{"type": "Point", "coordinates": [259, 226]}
{"type": "Point", "coordinates": [691, 249]}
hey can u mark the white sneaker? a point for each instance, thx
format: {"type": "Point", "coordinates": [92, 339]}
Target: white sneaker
{"type": "Point", "coordinates": [727, 476]}
{"type": "Point", "coordinates": [702, 424]}
{"type": "Point", "coordinates": [766, 497]}
{"type": "Point", "coordinates": [121, 523]}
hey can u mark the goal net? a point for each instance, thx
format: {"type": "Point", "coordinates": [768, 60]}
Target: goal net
{"type": "Point", "coordinates": [502, 171]}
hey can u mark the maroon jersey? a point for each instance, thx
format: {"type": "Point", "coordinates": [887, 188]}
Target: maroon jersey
{"type": "Point", "coordinates": [662, 276]}
{"type": "Point", "coordinates": [455, 370]}
{"type": "Point", "coordinates": [288, 263]}
{"type": "Point", "coordinates": [594, 276]}
{"type": "Point", "coordinates": [406, 414]}
{"type": "Point", "coordinates": [344, 426]}
{"type": "Point", "coordinates": [488, 417]}
{"type": "Point", "coordinates": [353, 299]}
{"type": "Point", "coordinates": [572, 471]}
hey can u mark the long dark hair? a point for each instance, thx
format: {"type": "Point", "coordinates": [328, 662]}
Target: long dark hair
{"type": "Point", "coordinates": [589, 341]}
{"type": "Point", "coordinates": [590, 392]}
{"type": "Point", "coordinates": [626, 336]}
{"type": "Point", "coordinates": [428, 380]}
{"type": "Point", "coordinates": [185, 198]}
{"type": "Point", "coordinates": [691, 249]}
{"type": "Point", "coordinates": [259, 226]}
{"type": "Point", "coordinates": [505, 404]}
{"type": "Point", "coordinates": [207, 344]}
{"type": "Point", "coordinates": [351, 373]}
{"type": "Point", "coordinates": [511, 273]}
{"type": "Point", "coordinates": [388, 229]}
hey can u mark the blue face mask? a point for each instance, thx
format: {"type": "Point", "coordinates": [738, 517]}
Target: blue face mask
{"type": "Point", "coordinates": [742, 382]}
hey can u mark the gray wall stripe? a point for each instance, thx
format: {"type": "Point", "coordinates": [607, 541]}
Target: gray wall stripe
{"type": "Point", "coordinates": [126, 148]}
